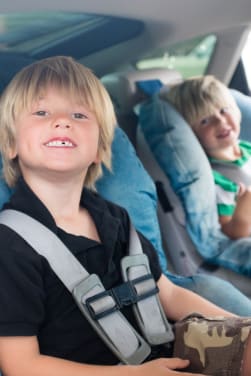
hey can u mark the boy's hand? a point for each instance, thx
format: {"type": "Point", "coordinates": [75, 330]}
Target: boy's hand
{"type": "Point", "coordinates": [165, 367]}
{"type": "Point", "coordinates": [243, 205]}
{"type": "Point", "coordinates": [242, 190]}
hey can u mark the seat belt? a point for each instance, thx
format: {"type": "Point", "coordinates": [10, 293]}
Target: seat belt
{"type": "Point", "coordinates": [99, 306]}
{"type": "Point", "coordinates": [148, 311]}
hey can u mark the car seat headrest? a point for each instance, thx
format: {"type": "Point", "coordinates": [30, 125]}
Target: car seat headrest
{"type": "Point", "coordinates": [10, 64]}
{"type": "Point", "coordinates": [124, 91]}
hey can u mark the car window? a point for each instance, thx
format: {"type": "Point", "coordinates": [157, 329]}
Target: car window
{"type": "Point", "coordinates": [190, 57]}
{"type": "Point", "coordinates": [42, 34]}
{"type": "Point", "coordinates": [246, 60]}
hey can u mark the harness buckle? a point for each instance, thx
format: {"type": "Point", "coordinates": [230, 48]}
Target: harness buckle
{"type": "Point", "coordinates": [127, 293]}
{"type": "Point", "coordinates": [144, 286]}
{"type": "Point", "coordinates": [97, 305]}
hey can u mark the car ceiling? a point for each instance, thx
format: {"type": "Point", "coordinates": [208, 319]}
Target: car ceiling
{"type": "Point", "coordinates": [166, 22]}
{"type": "Point", "coordinates": [178, 17]}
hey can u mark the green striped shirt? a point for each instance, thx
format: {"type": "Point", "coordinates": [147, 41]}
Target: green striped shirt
{"type": "Point", "coordinates": [228, 175]}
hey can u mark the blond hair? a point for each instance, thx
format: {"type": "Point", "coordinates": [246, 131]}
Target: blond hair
{"type": "Point", "coordinates": [80, 84]}
{"type": "Point", "coordinates": [200, 97]}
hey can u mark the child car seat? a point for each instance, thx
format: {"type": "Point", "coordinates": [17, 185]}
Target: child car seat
{"type": "Point", "coordinates": [187, 229]}
{"type": "Point", "coordinates": [185, 163]}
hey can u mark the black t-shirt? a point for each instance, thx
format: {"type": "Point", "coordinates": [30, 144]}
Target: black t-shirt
{"type": "Point", "coordinates": [35, 302]}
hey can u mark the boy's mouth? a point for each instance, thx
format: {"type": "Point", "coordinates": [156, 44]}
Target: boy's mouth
{"type": "Point", "coordinates": [224, 133]}
{"type": "Point", "coordinates": [60, 142]}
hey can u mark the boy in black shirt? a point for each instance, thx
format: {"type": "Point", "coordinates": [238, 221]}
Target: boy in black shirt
{"type": "Point", "coordinates": [56, 128]}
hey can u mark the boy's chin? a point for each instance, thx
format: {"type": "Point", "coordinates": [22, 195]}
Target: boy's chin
{"type": "Point", "coordinates": [229, 152]}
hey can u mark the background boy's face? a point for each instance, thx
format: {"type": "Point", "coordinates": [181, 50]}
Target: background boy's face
{"type": "Point", "coordinates": [56, 135]}
{"type": "Point", "coordinates": [217, 131]}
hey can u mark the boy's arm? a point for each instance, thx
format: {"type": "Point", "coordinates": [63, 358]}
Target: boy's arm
{"type": "Point", "coordinates": [239, 225]}
{"type": "Point", "coordinates": [20, 356]}
{"type": "Point", "coordinates": [179, 302]}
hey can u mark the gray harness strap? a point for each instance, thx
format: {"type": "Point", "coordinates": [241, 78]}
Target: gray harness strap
{"type": "Point", "coordinates": [235, 173]}
{"type": "Point", "coordinates": [148, 311]}
{"type": "Point", "coordinates": [98, 305]}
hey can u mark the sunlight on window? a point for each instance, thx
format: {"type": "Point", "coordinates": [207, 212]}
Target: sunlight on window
{"type": "Point", "coordinates": [190, 58]}
{"type": "Point", "coordinates": [246, 53]}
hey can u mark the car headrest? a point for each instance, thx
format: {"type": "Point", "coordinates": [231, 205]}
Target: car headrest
{"type": "Point", "coordinates": [10, 64]}
{"type": "Point", "coordinates": [123, 88]}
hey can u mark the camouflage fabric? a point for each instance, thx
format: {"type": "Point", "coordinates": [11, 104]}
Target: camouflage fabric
{"type": "Point", "coordinates": [214, 345]}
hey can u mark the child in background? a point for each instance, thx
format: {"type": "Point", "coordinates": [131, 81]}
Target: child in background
{"type": "Point", "coordinates": [56, 128]}
{"type": "Point", "coordinates": [211, 111]}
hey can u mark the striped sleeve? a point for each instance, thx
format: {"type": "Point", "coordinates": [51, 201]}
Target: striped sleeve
{"type": "Point", "coordinates": [226, 193]}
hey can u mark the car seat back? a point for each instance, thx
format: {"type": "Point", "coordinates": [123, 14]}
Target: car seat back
{"type": "Point", "coordinates": [125, 94]}
{"type": "Point", "coordinates": [176, 241]}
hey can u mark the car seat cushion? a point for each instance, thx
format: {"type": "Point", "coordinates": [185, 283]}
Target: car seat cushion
{"type": "Point", "coordinates": [129, 185]}
{"type": "Point", "coordinates": [182, 159]}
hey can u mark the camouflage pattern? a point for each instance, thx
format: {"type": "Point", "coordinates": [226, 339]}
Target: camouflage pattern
{"type": "Point", "coordinates": [214, 345]}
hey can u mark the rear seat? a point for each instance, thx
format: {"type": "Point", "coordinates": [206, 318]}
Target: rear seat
{"type": "Point", "coordinates": [125, 94]}
{"type": "Point", "coordinates": [179, 246]}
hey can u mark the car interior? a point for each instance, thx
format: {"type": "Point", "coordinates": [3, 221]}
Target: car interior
{"type": "Point", "coordinates": [133, 42]}
{"type": "Point", "coordinates": [138, 48]}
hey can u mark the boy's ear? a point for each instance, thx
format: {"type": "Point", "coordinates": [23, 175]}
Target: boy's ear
{"type": "Point", "coordinates": [12, 152]}
{"type": "Point", "coordinates": [97, 160]}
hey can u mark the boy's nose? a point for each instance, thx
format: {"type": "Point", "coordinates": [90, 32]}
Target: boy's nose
{"type": "Point", "coordinates": [221, 119]}
{"type": "Point", "coordinates": [61, 120]}
{"type": "Point", "coordinates": [61, 124]}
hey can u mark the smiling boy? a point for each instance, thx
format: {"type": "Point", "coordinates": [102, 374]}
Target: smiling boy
{"type": "Point", "coordinates": [211, 111]}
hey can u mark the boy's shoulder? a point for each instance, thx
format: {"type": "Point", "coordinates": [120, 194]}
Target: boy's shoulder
{"type": "Point", "coordinates": [246, 145]}
{"type": "Point", "coordinates": [16, 253]}
{"type": "Point", "coordinates": [100, 203]}
{"type": "Point", "coordinates": [224, 182]}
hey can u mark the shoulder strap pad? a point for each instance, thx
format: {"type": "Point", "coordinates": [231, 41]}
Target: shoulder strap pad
{"type": "Point", "coordinates": [148, 309]}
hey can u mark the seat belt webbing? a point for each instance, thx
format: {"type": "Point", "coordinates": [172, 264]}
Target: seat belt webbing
{"type": "Point", "coordinates": [114, 329]}
{"type": "Point", "coordinates": [148, 311]}
{"type": "Point", "coordinates": [89, 292]}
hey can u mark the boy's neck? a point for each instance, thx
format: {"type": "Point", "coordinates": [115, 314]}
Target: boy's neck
{"type": "Point", "coordinates": [60, 196]}
{"type": "Point", "coordinates": [62, 199]}
{"type": "Point", "coordinates": [230, 153]}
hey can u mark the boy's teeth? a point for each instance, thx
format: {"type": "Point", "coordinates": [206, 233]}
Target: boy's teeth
{"type": "Point", "coordinates": [59, 143]}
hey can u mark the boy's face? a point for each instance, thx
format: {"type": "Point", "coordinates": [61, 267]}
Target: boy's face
{"type": "Point", "coordinates": [56, 135]}
{"type": "Point", "coordinates": [218, 131]}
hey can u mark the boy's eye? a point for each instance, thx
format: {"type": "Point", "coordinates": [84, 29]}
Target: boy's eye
{"type": "Point", "coordinates": [224, 110]}
{"type": "Point", "coordinates": [40, 113]}
{"type": "Point", "coordinates": [205, 121]}
{"type": "Point", "coordinates": [79, 115]}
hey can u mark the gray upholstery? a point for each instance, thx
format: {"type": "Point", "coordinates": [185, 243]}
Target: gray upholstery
{"type": "Point", "coordinates": [124, 92]}
{"type": "Point", "coordinates": [126, 95]}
